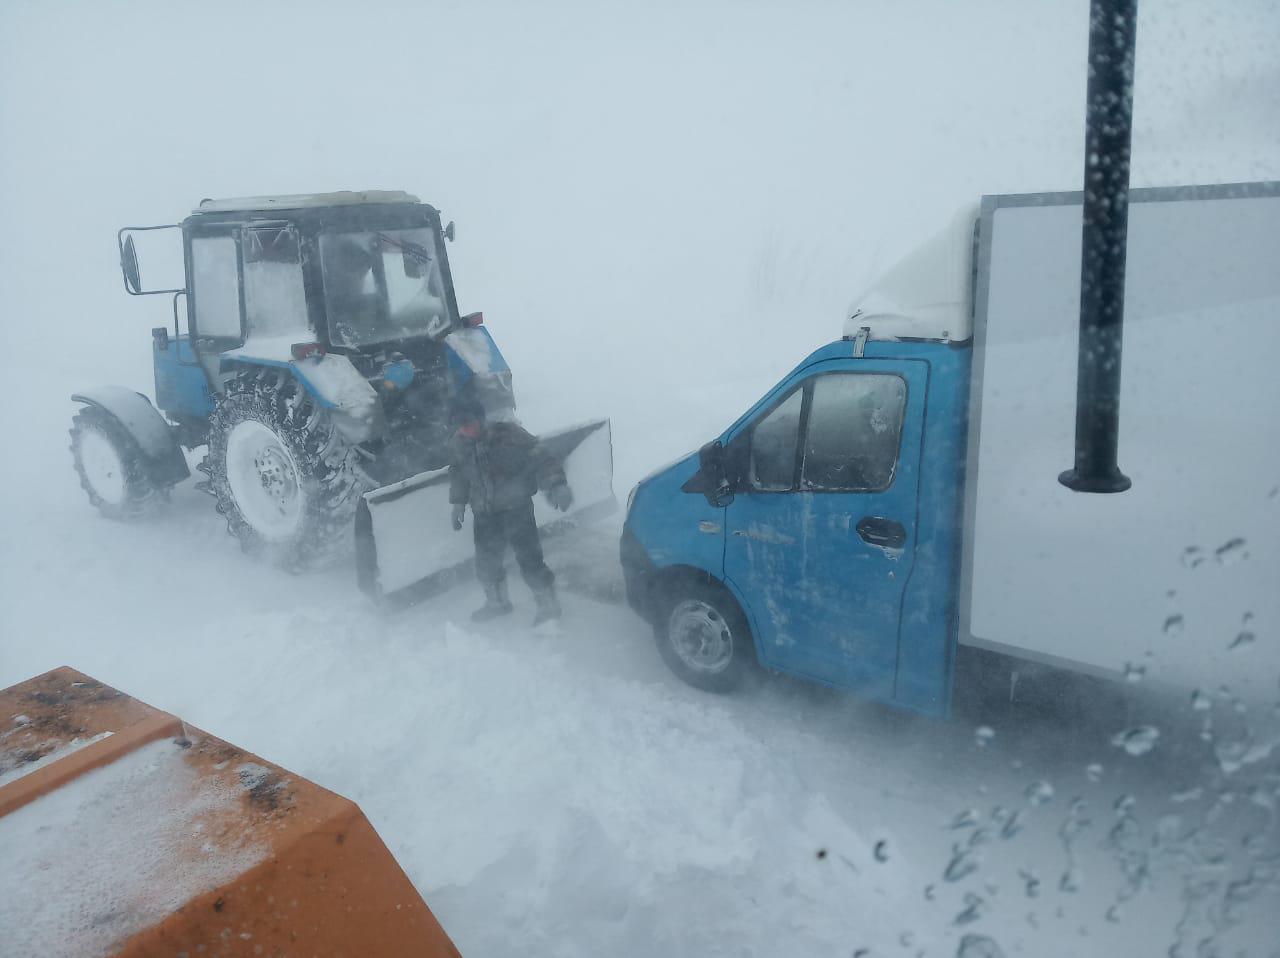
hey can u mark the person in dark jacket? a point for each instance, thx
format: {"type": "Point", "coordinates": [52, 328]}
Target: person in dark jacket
{"type": "Point", "coordinates": [496, 468]}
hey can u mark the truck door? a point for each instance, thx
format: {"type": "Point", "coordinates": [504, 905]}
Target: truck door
{"type": "Point", "coordinates": [821, 538]}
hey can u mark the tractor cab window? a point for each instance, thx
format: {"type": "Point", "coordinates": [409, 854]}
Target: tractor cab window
{"type": "Point", "coordinates": [383, 285]}
{"type": "Point", "coordinates": [275, 300]}
{"type": "Point", "coordinates": [215, 284]}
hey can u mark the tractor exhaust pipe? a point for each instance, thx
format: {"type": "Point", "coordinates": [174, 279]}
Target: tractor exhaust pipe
{"type": "Point", "coordinates": [1108, 140]}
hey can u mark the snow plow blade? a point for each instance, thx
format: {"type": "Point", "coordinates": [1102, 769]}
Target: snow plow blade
{"type": "Point", "coordinates": [406, 549]}
{"type": "Point", "coordinates": [129, 833]}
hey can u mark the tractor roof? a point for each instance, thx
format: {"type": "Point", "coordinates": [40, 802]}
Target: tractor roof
{"type": "Point", "coordinates": [298, 201]}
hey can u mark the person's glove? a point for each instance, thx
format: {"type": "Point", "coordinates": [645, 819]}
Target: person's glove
{"type": "Point", "coordinates": [560, 496]}
{"type": "Point", "coordinates": [459, 513]}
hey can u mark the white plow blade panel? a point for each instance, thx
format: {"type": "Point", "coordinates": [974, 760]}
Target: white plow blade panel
{"type": "Point", "coordinates": [406, 546]}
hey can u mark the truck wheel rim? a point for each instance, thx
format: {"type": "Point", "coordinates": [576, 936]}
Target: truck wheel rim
{"type": "Point", "coordinates": [700, 636]}
{"type": "Point", "coordinates": [102, 467]}
{"type": "Point", "coordinates": [264, 480]}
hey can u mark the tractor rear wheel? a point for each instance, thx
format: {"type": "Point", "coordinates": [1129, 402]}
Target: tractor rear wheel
{"type": "Point", "coordinates": [283, 475]}
{"type": "Point", "coordinates": [112, 468]}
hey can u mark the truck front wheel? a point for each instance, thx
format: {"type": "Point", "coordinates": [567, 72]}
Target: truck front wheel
{"type": "Point", "coordinates": [282, 474]}
{"type": "Point", "coordinates": [702, 635]}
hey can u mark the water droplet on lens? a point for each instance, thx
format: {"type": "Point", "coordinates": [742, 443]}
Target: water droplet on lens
{"type": "Point", "coordinates": [1192, 556]}
{"type": "Point", "coordinates": [1134, 673]}
{"type": "Point", "coordinates": [983, 734]}
{"type": "Point", "coordinates": [1093, 772]}
{"type": "Point", "coordinates": [962, 863]}
{"type": "Point", "coordinates": [1231, 551]}
{"type": "Point", "coordinates": [1200, 701]}
{"type": "Point", "coordinates": [1173, 625]}
{"type": "Point", "coordinates": [881, 851]}
{"type": "Point", "coordinates": [978, 946]}
{"type": "Point", "coordinates": [1038, 793]}
{"type": "Point", "coordinates": [974, 906]}
{"type": "Point", "coordinates": [1138, 740]}
{"type": "Point", "coordinates": [1012, 826]}
{"type": "Point", "coordinates": [965, 819]}
{"type": "Point", "coordinates": [1242, 639]}
{"type": "Point", "coordinates": [1070, 881]}
{"type": "Point", "coordinates": [1031, 881]}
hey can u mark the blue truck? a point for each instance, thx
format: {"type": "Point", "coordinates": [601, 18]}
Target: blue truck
{"type": "Point", "coordinates": [819, 533]}
{"type": "Point", "coordinates": [895, 496]}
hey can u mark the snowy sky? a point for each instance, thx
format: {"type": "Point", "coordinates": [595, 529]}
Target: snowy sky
{"type": "Point", "coordinates": [647, 180]}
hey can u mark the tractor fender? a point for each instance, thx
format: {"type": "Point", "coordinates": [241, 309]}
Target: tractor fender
{"type": "Point", "coordinates": [336, 385]}
{"type": "Point", "coordinates": [155, 437]}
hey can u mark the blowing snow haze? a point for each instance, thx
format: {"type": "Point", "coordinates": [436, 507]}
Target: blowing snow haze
{"type": "Point", "coordinates": [660, 208]}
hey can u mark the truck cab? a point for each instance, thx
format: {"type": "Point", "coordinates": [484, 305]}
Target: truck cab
{"type": "Point", "coordinates": [819, 533]}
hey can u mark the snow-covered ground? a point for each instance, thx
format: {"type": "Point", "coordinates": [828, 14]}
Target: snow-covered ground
{"type": "Point", "coordinates": [661, 208]}
{"type": "Point", "coordinates": [561, 791]}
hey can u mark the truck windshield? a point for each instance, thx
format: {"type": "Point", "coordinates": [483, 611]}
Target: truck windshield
{"type": "Point", "coordinates": [383, 285]}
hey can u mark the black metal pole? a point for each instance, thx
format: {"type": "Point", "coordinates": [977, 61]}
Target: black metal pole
{"type": "Point", "coordinates": [1108, 136]}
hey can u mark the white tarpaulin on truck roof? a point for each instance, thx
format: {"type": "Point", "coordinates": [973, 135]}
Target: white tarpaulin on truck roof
{"type": "Point", "coordinates": [1059, 574]}
{"type": "Point", "coordinates": [928, 293]}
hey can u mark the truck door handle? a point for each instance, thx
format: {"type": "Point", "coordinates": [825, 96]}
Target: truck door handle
{"type": "Point", "coordinates": [878, 531]}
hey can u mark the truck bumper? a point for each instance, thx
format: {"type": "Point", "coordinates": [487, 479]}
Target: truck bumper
{"type": "Point", "coordinates": [637, 573]}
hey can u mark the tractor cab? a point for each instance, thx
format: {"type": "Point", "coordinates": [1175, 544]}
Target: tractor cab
{"type": "Point", "coordinates": [344, 271]}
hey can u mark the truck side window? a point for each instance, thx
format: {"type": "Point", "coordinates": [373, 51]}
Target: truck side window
{"type": "Point", "coordinates": [855, 423]}
{"type": "Point", "coordinates": [773, 446]}
{"type": "Point", "coordinates": [216, 286]}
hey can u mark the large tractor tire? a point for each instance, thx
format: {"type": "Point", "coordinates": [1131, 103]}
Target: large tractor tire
{"type": "Point", "coordinates": [112, 468]}
{"type": "Point", "coordinates": [283, 475]}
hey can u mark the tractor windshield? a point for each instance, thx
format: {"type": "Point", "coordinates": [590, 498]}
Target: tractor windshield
{"type": "Point", "coordinates": [383, 285]}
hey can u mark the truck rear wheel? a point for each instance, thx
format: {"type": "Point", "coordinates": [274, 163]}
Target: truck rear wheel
{"type": "Point", "coordinates": [281, 472]}
{"type": "Point", "coordinates": [703, 635]}
{"type": "Point", "coordinates": [112, 468]}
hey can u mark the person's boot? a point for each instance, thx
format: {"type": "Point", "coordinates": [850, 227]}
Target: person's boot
{"type": "Point", "coordinates": [548, 605]}
{"type": "Point", "coordinates": [496, 602]}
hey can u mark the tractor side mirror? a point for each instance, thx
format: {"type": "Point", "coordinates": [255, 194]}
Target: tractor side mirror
{"type": "Point", "coordinates": [163, 256]}
{"type": "Point", "coordinates": [449, 231]}
{"type": "Point", "coordinates": [129, 265]}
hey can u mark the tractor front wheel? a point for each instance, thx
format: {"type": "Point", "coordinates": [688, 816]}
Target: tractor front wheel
{"type": "Point", "coordinates": [113, 471]}
{"type": "Point", "coordinates": [281, 472]}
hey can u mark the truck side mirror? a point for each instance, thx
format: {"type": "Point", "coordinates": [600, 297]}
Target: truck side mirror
{"type": "Point", "coordinates": [711, 479]}
{"type": "Point", "coordinates": [450, 231]}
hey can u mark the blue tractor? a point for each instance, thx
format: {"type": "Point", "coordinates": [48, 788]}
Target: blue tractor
{"type": "Point", "coordinates": [323, 351]}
